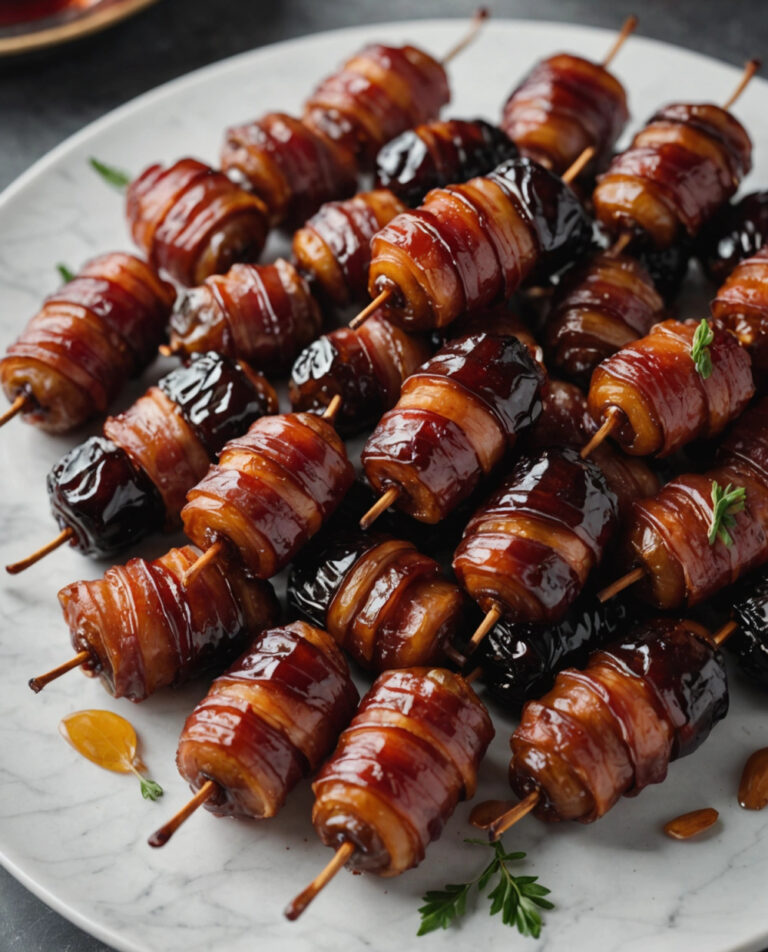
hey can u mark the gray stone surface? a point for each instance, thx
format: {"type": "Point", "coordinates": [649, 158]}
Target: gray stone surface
{"type": "Point", "coordinates": [44, 99]}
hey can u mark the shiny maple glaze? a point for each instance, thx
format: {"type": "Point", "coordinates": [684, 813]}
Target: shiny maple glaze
{"type": "Point", "coordinates": [192, 221]}
{"type": "Point", "coordinates": [565, 105]}
{"type": "Point", "coordinates": [268, 721]}
{"type": "Point", "coordinates": [612, 729]}
{"type": "Point", "coordinates": [271, 491]}
{"type": "Point", "coordinates": [293, 169]}
{"type": "Point", "coordinates": [263, 314]}
{"type": "Point", "coordinates": [376, 95]}
{"type": "Point", "coordinates": [680, 168]}
{"type": "Point", "coordinates": [468, 246]}
{"type": "Point", "coordinates": [87, 340]}
{"type": "Point", "coordinates": [333, 248]}
{"type": "Point", "coordinates": [409, 755]}
{"type": "Point", "coordinates": [440, 153]}
{"type": "Point", "coordinates": [664, 402]}
{"type": "Point", "coordinates": [600, 308]}
{"type": "Point", "coordinates": [531, 547]}
{"type": "Point", "coordinates": [454, 421]}
{"type": "Point", "coordinates": [144, 630]}
{"type": "Point", "coordinates": [387, 605]}
{"type": "Point", "coordinates": [741, 305]}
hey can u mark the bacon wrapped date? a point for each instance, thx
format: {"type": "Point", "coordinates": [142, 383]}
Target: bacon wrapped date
{"type": "Point", "coordinates": [333, 249]}
{"type": "Point", "coordinates": [470, 245]}
{"type": "Point", "coordinates": [192, 221]}
{"type": "Point", "coordinates": [456, 418]}
{"type": "Point", "coordinates": [144, 630]}
{"type": "Point", "coordinates": [268, 721]}
{"type": "Point", "coordinates": [386, 604]}
{"type": "Point", "coordinates": [87, 340]}
{"type": "Point", "coordinates": [565, 105]}
{"type": "Point", "coordinates": [520, 661]}
{"type": "Point", "coordinates": [111, 491]}
{"type": "Point", "coordinates": [272, 490]}
{"type": "Point", "coordinates": [660, 400]}
{"type": "Point", "coordinates": [376, 95]}
{"type": "Point", "coordinates": [292, 168]}
{"type": "Point", "coordinates": [440, 153]}
{"type": "Point", "coordinates": [610, 730]}
{"type": "Point", "coordinates": [742, 306]}
{"type": "Point", "coordinates": [410, 754]}
{"type": "Point", "coordinates": [365, 366]}
{"type": "Point", "coordinates": [687, 161]}
{"type": "Point", "coordinates": [737, 232]}
{"type": "Point", "coordinates": [599, 308]}
{"type": "Point", "coordinates": [264, 314]}
{"type": "Point", "coordinates": [530, 548]}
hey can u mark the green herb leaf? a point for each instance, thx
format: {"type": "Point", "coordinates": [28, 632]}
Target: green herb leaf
{"type": "Point", "coordinates": [725, 504]}
{"type": "Point", "coordinates": [66, 274]}
{"type": "Point", "coordinates": [150, 790]}
{"type": "Point", "coordinates": [515, 897]}
{"type": "Point", "coordinates": [112, 176]}
{"type": "Point", "coordinates": [700, 349]}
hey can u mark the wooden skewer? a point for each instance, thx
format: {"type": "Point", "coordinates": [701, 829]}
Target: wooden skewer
{"type": "Point", "coordinates": [19, 405]}
{"type": "Point", "coordinates": [210, 555]}
{"type": "Point", "coordinates": [619, 245]}
{"type": "Point", "coordinates": [481, 15]}
{"type": "Point", "coordinates": [334, 405]}
{"type": "Point", "coordinates": [382, 503]}
{"type": "Point", "coordinates": [64, 536]}
{"type": "Point", "coordinates": [491, 617]}
{"type": "Point", "coordinates": [750, 68]}
{"type": "Point", "coordinates": [37, 684]}
{"type": "Point", "coordinates": [611, 421]}
{"type": "Point", "coordinates": [725, 632]}
{"type": "Point", "coordinates": [300, 903]}
{"type": "Point", "coordinates": [160, 837]}
{"type": "Point", "coordinates": [473, 675]}
{"type": "Point", "coordinates": [621, 583]}
{"type": "Point", "coordinates": [165, 350]}
{"type": "Point", "coordinates": [580, 163]}
{"type": "Point", "coordinates": [629, 27]}
{"type": "Point", "coordinates": [501, 824]}
{"type": "Point", "coordinates": [381, 298]}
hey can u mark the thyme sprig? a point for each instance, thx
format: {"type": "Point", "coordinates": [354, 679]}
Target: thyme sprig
{"type": "Point", "coordinates": [700, 349]}
{"type": "Point", "coordinates": [725, 504]}
{"type": "Point", "coordinates": [111, 175]}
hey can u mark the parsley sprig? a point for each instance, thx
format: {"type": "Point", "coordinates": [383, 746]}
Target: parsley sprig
{"type": "Point", "coordinates": [66, 273]}
{"type": "Point", "coordinates": [725, 504]}
{"type": "Point", "coordinates": [700, 349]}
{"type": "Point", "coordinates": [517, 898]}
{"type": "Point", "coordinates": [150, 789]}
{"type": "Point", "coordinates": [112, 176]}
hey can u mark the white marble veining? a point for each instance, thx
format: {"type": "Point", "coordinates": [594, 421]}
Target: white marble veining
{"type": "Point", "coordinates": [76, 834]}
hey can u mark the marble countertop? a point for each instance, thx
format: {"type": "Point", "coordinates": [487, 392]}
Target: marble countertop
{"type": "Point", "coordinates": [43, 99]}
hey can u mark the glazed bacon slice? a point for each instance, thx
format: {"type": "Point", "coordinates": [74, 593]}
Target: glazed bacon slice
{"type": "Point", "coordinates": [566, 104]}
{"type": "Point", "coordinates": [268, 721]}
{"type": "Point", "coordinates": [455, 420]}
{"type": "Point", "coordinates": [88, 339]}
{"type": "Point", "coordinates": [440, 153]}
{"type": "Point", "coordinates": [669, 535]}
{"type": "Point", "coordinates": [530, 549]}
{"type": "Point", "coordinates": [291, 167]}
{"type": "Point", "coordinates": [263, 314]}
{"type": "Point", "coordinates": [610, 730]}
{"type": "Point", "coordinates": [602, 306]}
{"type": "Point", "coordinates": [376, 95]}
{"type": "Point", "coordinates": [386, 604]}
{"type": "Point", "coordinates": [410, 754]}
{"type": "Point", "coordinates": [660, 399]}
{"type": "Point", "coordinates": [365, 366]}
{"type": "Point", "coordinates": [471, 245]}
{"type": "Point", "coordinates": [273, 489]}
{"type": "Point", "coordinates": [741, 305]}
{"type": "Point", "coordinates": [192, 221]}
{"type": "Point", "coordinates": [144, 630]}
{"type": "Point", "coordinates": [333, 249]}
{"type": "Point", "coordinates": [679, 170]}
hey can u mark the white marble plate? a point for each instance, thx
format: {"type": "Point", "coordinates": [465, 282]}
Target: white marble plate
{"type": "Point", "coordinates": [76, 835]}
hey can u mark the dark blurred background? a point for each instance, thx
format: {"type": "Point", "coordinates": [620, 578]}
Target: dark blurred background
{"type": "Point", "coordinates": [45, 98]}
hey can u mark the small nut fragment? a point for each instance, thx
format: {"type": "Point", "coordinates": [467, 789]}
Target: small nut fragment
{"type": "Point", "coordinates": [691, 824]}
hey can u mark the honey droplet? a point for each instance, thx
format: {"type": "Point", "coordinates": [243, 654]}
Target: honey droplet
{"type": "Point", "coordinates": [753, 786]}
{"type": "Point", "coordinates": [691, 824]}
{"type": "Point", "coordinates": [483, 815]}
